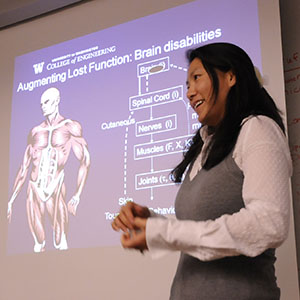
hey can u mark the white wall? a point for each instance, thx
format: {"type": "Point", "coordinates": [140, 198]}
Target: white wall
{"type": "Point", "coordinates": [291, 58]}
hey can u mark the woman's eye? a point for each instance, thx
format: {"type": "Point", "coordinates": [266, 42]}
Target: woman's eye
{"type": "Point", "coordinates": [196, 76]}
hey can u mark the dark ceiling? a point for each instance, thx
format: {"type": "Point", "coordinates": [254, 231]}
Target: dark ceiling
{"type": "Point", "coordinates": [15, 11]}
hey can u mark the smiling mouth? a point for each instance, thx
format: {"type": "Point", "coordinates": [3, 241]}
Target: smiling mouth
{"type": "Point", "coordinates": [198, 103]}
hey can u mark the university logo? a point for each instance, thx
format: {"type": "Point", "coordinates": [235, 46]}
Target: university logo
{"type": "Point", "coordinates": [38, 68]}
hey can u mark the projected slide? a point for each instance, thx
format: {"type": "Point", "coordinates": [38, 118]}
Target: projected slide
{"type": "Point", "coordinates": [102, 119]}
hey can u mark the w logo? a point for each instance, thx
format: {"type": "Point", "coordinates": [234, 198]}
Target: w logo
{"type": "Point", "coordinates": [38, 68]}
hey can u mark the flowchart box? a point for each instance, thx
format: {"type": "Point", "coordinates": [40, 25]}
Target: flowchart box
{"type": "Point", "coordinates": [163, 147]}
{"type": "Point", "coordinates": [153, 67]}
{"type": "Point", "coordinates": [153, 179]}
{"type": "Point", "coordinates": [156, 125]}
{"type": "Point", "coordinates": [156, 98]}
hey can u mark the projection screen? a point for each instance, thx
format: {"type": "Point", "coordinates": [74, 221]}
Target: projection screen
{"type": "Point", "coordinates": [125, 123]}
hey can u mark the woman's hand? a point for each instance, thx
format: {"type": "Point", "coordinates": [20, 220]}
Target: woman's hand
{"type": "Point", "coordinates": [126, 218]}
{"type": "Point", "coordinates": [136, 239]}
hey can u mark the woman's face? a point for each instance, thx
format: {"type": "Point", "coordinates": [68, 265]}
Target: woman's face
{"type": "Point", "coordinates": [200, 93]}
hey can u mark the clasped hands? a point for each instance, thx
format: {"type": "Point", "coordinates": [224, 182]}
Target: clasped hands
{"type": "Point", "coordinates": [132, 221]}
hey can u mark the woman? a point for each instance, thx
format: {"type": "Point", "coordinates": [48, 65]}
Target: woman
{"type": "Point", "coordinates": [232, 209]}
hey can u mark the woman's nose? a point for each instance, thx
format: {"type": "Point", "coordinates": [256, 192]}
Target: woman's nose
{"type": "Point", "coordinates": [190, 93]}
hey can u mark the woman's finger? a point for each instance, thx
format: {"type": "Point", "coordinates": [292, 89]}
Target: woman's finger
{"type": "Point", "coordinates": [126, 218]}
{"type": "Point", "coordinates": [118, 224]}
{"type": "Point", "coordinates": [134, 240]}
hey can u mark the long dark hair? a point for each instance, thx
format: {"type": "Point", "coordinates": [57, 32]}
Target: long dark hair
{"type": "Point", "coordinates": [247, 97]}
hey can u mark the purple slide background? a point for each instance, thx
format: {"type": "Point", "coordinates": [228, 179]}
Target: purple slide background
{"type": "Point", "coordinates": [103, 96]}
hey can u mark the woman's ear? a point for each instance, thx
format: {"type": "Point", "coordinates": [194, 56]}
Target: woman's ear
{"type": "Point", "coordinates": [231, 78]}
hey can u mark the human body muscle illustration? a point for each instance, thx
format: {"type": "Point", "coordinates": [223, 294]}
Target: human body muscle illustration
{"type": "Point", "coordinates": [48, 149]}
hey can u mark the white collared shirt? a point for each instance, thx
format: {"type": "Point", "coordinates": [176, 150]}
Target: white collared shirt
{"type": "Point", "coordinates": [262, 154]}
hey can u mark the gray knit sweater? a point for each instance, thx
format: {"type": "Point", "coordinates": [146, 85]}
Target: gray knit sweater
{"type": "Point", "coordinates": [209, 195]}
